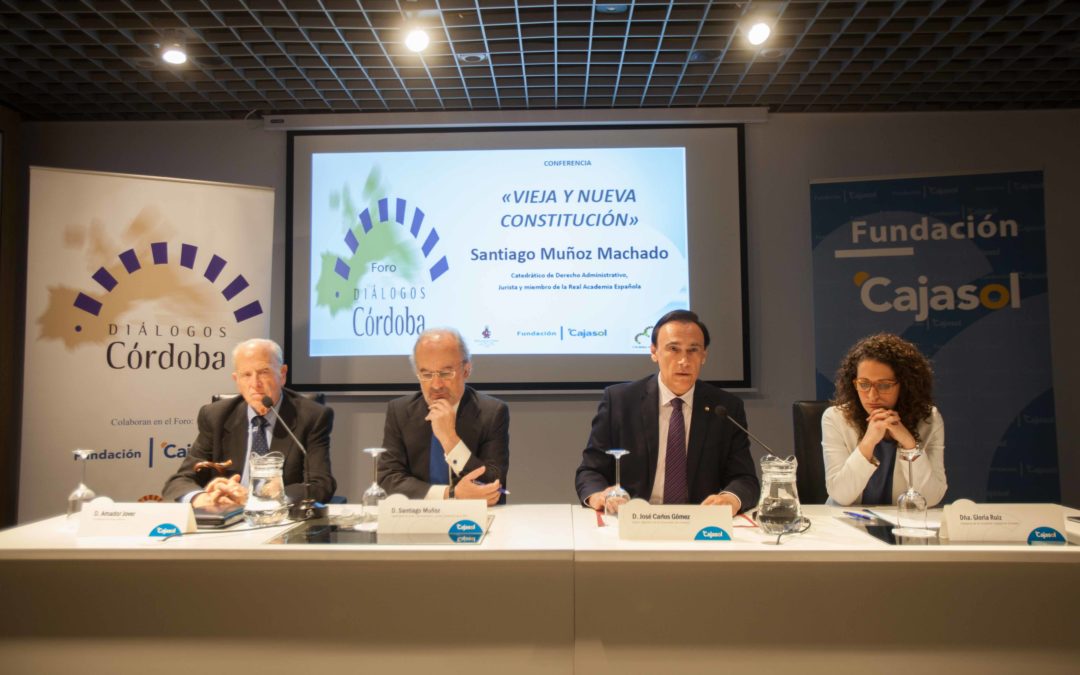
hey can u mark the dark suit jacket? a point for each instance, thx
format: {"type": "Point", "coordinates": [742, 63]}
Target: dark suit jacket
{"type": "Point", "coordinates": [223, 434]}
{"type": "Point", "coordinates": [483, 424]}
{"type": "Point", "coordinates": [717, 456]}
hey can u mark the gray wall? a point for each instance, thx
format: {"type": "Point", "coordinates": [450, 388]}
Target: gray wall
{"type": "Point", "coordinates": [783, 156]}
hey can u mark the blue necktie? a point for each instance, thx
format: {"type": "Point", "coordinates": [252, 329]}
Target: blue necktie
{"type": "Point", "coordinates": [675, 457]}
{"type": "Point", "coordinates": [438, 471]}
{"type": "Point", "coordinates": [258, 439]}
{"type": "Point", "coordinates": [878, 489]}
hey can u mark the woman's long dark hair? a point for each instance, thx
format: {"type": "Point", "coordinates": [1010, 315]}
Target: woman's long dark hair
{"type": "Point", "coordinates": [912, 371]}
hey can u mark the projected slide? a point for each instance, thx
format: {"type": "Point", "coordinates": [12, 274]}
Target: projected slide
{"type": "Point", "coordinates": [552, 251]}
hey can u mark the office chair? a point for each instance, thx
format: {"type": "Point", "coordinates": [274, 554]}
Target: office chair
{"type": "Point", "coordinates": [810, 474]}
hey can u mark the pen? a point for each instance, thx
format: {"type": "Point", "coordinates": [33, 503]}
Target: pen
{"type": "Point", "coordinates": [502, 490]}
{"type": "Point", "coordinates": [857, 516]}
{"type": "Point", "coordinates": [877, 516]}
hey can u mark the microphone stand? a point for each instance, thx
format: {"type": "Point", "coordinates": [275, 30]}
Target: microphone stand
{"type": "Point", "coordinates": [307, 508]}
{"type": "Point", "coordinates": [721, 412]}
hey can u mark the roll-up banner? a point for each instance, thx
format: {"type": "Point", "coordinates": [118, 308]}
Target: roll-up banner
{"type": "Point", "coordinates": [138, 288]}
{"type": "Point", "coordinates": [957, 265]}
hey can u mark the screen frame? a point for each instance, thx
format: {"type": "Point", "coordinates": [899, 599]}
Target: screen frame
{"type": "Point", "coordinates": [551, 387]}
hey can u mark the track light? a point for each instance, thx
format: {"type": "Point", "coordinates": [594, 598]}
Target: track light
{"type": "Point", "coordinates": [417, 40]}
{"type": "Point", "coordinates": [174, 53]}
{"type": "Point", "coordinates": [758, 33]}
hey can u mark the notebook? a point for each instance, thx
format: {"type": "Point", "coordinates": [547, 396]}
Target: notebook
{"type": "Point", "coordinates": [218, 515]}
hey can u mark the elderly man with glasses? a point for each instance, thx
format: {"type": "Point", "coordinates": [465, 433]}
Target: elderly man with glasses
{"type": "Point", "coordinates": [448, 441]}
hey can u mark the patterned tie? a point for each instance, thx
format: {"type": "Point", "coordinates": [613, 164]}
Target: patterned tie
{"type": "Point", "coordinates": [675, 458]}
{"type": "Point", "coordinates": [258, 439]}
{"type": "Point", "coordinates": [438, 472]}
{"type": "Point", "coordinates": [878, 489]}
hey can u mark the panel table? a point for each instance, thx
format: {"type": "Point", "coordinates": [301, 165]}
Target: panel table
{"type": "Point", "coordinates": [546, 592]}
{"type": "Point", "coordinates": [227, 603]}
{"type": "Point", "coordinates": [831, 600]}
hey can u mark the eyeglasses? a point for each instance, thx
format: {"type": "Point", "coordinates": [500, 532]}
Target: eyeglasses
{"type": "Point", "coordinates": [429, 375]}
{"type": "Point", "coordinates": [883, 387]}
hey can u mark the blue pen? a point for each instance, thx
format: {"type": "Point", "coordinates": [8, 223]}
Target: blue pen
{"type": "Point", "coordinates": [502, 490]}
{"type": "Point", "coordinates": [857, 516]}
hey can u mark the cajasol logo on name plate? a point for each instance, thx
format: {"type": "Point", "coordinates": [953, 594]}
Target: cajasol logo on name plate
{"type": "Point", "coordinates": [1046, 535]}
{"type": "Point", "coordinates": [165, 530]}
{"type": "Point", "coordinates": [465, 532]}
{"type": "Point", "coordinates": [712, 533]}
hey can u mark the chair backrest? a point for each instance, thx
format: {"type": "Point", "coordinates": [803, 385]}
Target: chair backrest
{"type": "Point", "coordinates": [810, 476]}
{"type": "Point", "coordinates": [316, 396]}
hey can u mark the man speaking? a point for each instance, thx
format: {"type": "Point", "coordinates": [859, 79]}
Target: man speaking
{"type": "Point", "coordinates": [680, 450]}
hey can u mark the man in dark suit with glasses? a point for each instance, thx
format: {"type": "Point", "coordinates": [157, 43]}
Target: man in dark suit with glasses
{"type": "Point", "coordinates": [448, 440]}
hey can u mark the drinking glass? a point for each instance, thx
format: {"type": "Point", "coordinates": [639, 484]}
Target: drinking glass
{"type": "Point", "coordinates": [374, 494]}
{"type": "Point", "coordinates": [911, 505]}
{"type": "Point", "coordinates": [618, 495]}
{"type": "Point", "coordinates": [81, 495]}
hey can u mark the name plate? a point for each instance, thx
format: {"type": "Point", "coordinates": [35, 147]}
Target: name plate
{"type": "Point", "coordinates": [964, 520]}
{"type": "Point", "coordinates": [104, 518]}
{"type": "Point", "coordinates": [462, 520]}
{"type": "Point", "coordinates": [638, 519]}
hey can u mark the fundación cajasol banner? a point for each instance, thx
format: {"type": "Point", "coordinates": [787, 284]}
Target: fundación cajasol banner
{"type": "Point", "coordinates": [957, 265]}
{"type": "Point", "coordinates": [137, 290]}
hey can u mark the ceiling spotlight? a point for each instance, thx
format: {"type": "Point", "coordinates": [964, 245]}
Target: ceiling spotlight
{"type": "Point", "coordinates": [174, 53]}
{"type": "Point", "coordinates": [704, 56]}
{"type": "Point", "coordinates": [758, 33]}
{"type": "Point", "coordinates": [472, 57]}
{"type": "Point", "coordinates": [417, 40]}
{"type": "Point", "coordinates": [771, 52]}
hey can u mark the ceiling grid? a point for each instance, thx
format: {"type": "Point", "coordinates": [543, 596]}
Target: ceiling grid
{"type": "Point", "coordinates": [98, 59]}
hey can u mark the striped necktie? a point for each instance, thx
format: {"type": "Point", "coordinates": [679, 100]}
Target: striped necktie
{"type": "Point", "coordinates": [675, 458]}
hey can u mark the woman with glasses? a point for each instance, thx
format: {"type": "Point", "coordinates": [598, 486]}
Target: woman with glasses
{"type": "Point", "coordinates": [883, 402]}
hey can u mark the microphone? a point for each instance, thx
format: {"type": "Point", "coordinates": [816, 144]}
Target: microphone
{"type": "Point", "coordinates": [307, 508]}
{"type": "Point", "coordinates": [721, 412]}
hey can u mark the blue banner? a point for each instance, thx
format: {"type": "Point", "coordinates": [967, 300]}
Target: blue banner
{"type": "Point", "coordinates": [956, 265]}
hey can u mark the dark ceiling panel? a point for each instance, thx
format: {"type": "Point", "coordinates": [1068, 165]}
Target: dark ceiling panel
{"type": "Point", "coordinates": [99, 59]}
